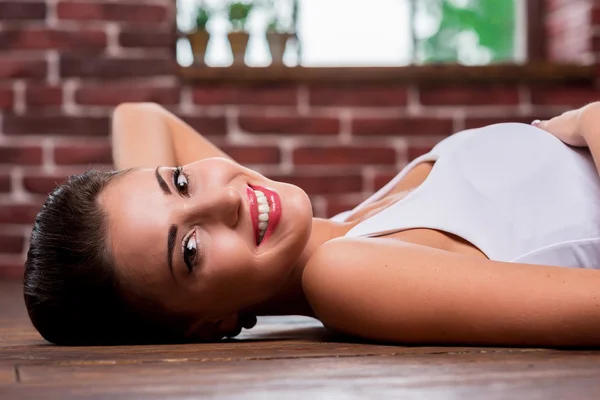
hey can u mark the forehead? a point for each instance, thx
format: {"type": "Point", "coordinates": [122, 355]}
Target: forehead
{"type": "Point", "coordinates": [138, 224]}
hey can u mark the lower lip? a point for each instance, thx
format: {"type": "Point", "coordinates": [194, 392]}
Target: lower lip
{"type": "Point", "coordinates": [274, 213]}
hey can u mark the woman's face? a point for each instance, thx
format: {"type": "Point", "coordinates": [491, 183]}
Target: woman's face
{"type": "Point", "coordinates": [187, 238]}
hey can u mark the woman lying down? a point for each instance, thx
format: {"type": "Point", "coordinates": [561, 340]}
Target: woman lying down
{"type": "Point", "coordinates": [492, 238]}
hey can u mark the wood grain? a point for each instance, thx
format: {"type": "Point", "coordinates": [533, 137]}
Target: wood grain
{"type": "Point", "coordinates": [291, 358]}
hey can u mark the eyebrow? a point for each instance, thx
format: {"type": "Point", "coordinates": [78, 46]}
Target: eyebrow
{"type": "Point", "coordinates": [171, 246]}
{"type": "Point", "coordinates": [161, 182]}
{"type": "Point", "coordinates": [172, 235]}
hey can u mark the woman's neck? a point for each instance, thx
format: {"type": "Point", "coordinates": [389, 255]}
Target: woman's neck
{"type": "Point", "coordinates": [290, 299]}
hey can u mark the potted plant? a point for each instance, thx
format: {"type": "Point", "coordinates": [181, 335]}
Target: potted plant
{"type": "Point", "coordinates": [238, 13]}
{"type": "Point", "coordinates": [277, 39]}
{"type": "Point", "coordinates": [200, 37]}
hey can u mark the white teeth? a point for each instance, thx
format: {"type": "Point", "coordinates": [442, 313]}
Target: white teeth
{"type": "Point", "coordinates": [263, 217]}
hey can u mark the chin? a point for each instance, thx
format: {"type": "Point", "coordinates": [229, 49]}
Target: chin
{"type": "Point", "coordinates": [295, 227]}
{"type": "Point", "coordinates": [300, 212]}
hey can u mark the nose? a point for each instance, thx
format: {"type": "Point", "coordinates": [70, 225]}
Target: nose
{"type": "Point", "coordinates": [221, 205]}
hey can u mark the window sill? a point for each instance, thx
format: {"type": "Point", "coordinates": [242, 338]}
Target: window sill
{"type": "Point", "coordinates": [534, 72]}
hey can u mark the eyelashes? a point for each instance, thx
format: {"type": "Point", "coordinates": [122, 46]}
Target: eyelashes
{"type": "Point", "coordinates": [190, 252]}
{"type": "Point", "coordinates": [181, 181]}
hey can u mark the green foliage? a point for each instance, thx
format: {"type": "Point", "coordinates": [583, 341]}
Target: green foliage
{"type": "Point", "coordinates": [273, 24]}
{"type": "Point", "coordinates": [203, 15]}
{"type": "Point", "coordinates": [491, 22]}
{"type": "Point", "coordinates": [238, 13]}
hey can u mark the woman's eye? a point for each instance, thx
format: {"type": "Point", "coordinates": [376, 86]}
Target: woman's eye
{"type": "Point", "coordinates": [189, 253]}
{"type": "Point", "coordinates": [181, 181]}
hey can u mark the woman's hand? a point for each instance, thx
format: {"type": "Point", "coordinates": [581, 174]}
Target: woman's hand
{"type": "Point", "coordinates": [578, 128]}
{"type": "Point", "coordinates": [567, 127]}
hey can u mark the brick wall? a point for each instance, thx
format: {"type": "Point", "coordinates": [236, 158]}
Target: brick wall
{"type": "Point", "coordinates": [65, 64]}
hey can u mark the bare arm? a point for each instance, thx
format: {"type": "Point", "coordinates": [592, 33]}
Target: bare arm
{"type": "Point", "coordinates": [388, 290]}
{"type": "Point", "coordinates": [147, 135]}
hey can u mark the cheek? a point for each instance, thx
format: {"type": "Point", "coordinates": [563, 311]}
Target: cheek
{"type": "Point", "coordinates": [228, 258]}
{"type": "Point", "coordinates": [234, 270]}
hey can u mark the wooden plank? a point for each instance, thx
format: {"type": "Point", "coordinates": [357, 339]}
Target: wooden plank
{"type": "Point", "coordinates": [579, 387]}
{"type": "Point", "coordinates": [520, 374]}
{"type": "Point", "coordinates": [497, 73]}
{"type": "Point", "coordinates": [405, 369]}
{"type": "Point", "coordinates": [7, 373]}
{"type": "Point", "coordinates": [210, 352]}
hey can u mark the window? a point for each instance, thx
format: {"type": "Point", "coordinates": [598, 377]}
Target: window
{"type": "Point", "coordinates": [366, 32]}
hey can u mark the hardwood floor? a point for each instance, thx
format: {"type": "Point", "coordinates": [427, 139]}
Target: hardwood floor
{"type": "Point", "coordinates": [281, 358]}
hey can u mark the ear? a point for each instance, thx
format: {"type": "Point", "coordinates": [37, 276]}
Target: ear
{"type": "Point", "coordinates": [215, 328]}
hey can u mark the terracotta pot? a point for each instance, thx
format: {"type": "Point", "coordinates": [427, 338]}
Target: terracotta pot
{"type": "Point", "coordinates": [238, 41]}
{"type": "Point", "coordinates": [199, 42]}
{"type": "Point", "coordinates": [277, 42]}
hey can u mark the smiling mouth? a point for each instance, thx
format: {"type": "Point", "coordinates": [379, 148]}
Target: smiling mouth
{"type": "Point", "coordinates": [265, 211]}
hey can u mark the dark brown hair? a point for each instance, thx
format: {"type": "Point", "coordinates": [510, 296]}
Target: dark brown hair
{"type": "Point", "coordinates": [71, 291]}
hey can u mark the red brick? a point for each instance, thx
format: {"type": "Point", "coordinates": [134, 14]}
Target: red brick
{"type": "Point", "coordinates": [410, 126]}
{"type": "Point", "coordinates": [290, 125]}
{"type": "Point", "coordinates": [13, 66]}
{"type": "Point", "coordinates": [36, 124]}
{"type": "Point", "coordinates": [344, 155]}
{"type": "Point", "coordinates": [323, 184]}
{"type": "Point", "coordinates": [469, 95]}
{"type": "Point", "coordinates": [595, 43]}
{"type": "Point", "coordinates": [383, 177]}
{"type": "Point", "coordinates": [20, 155]}
{"type": "Point", "coordinates": [12, 269]}
{"type": "Point", "coordinates": [39, 95]}
{"type": "Point", "coordinates": [18, 213]}
{"type": "Point", "coordinates": [43, 184]}
{"type": "Point", "coordinates": [253, 155]}
{"type": "Point", "coordinates": [5, 184]}
{"type": "Point", "coordinates": [255, 95]}
{"type": "Point", "coordinates": [82, 154]}
{"type": "Point", "coordinates": [595, 14]}
{"type": "Point", "coordinates": [88, 11]}
{"type": "Point", "coordinates": [147, 38]}
{"type": "Point", "coordinates": [22, 10]}
{"type": "Point", "coordinates": [358, 96]}
{"type": "Point", "coordinates": [573, 97]}
{"type": "Point", "coordinates": [479, 122]}
{"type": "Point", "coordinates": [114, 94]}
{"type": "Point", "coordinates": [35, 38]}
{"type": "Point", "coordinates": [6, 98]}
{"type": "Point", "coordinates": [209, 126]}
{"type": "Point", "coordinates": [336, 204]}
{"type": "Point", "coordinates": [10, 243]}
{"type": "Point", "coordinates": [115, 68]}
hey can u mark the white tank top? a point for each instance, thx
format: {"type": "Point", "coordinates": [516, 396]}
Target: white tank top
{"type": "Point", "coordinates": [514, 191]}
